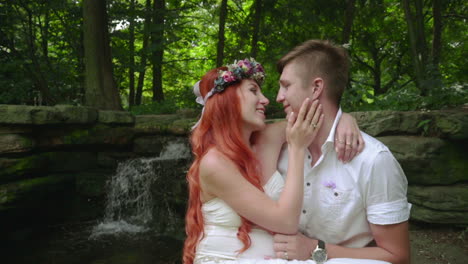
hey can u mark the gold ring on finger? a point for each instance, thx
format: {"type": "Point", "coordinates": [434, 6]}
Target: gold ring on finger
{"type": "Point", "coordinates": [314, 125]}
{"type": "Point", "coordinates": [347, 143]}
{"type": "Point", "coordinates": [286, 255]}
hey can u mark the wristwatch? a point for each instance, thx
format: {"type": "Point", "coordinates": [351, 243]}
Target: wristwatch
{"type": "Point", "coordinates": [319, 255]}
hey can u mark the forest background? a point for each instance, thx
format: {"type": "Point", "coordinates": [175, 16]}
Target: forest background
{"type": "Point", "coordinates": [145, 55]}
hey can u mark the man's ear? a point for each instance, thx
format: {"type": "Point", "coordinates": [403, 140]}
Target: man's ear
{"type": "Point", "coordinates": [317, 87]}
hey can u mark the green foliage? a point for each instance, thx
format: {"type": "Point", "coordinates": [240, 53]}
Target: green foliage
{"type": "Point", "coordinates": [167, 106]}
{"type": "Point", "coordinates": [425, 126]}
{"type": "Point", "coordinates": [48, 52]}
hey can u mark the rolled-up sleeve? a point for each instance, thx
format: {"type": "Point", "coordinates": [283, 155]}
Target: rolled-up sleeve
{"type": "Point", "coordinates": [385, 194]}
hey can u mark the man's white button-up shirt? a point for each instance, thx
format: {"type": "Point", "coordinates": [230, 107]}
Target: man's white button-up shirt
{"type": "Point", "coordinates": [340, 200]}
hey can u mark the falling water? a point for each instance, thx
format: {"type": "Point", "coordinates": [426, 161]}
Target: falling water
{"type": "Point", "coordinates": [129, 205]}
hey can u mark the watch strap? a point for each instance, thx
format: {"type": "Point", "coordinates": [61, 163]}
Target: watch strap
{"type": "Point", "coordinates": [321, 244]}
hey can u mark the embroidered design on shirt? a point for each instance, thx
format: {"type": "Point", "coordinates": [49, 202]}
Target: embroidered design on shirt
{"type": "Point", "coordinates": [329, 184]}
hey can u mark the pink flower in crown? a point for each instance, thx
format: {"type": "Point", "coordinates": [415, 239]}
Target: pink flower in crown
{"type": "Point", "coordinates": [228, 76]}
{"type": "Point", "coordinates": [246, 66]}
{"type": "Point", "coordinates": [259, 68]}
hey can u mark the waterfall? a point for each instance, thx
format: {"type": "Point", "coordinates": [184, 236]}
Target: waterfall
{"type": "Point", "coordinates": [130, 203]}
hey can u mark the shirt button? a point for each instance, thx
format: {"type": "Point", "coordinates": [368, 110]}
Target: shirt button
{"type": "Point", "coordinates": [336, 194]}
{"type": "Point", "coordinates": [308, 156]}
{"type": "Point", "coordinates": [308, 184]}
{"type": "Point", "coordinates": [304, 211]}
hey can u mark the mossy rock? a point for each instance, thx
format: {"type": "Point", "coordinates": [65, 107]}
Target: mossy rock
{"type": "Point", "coordinates": [150, 145]}
{"type": "Point", "coordinates": [429, 161]}
{"type": "Point", "coordinates": [46, 115]}
{"type": "Point", "coordinates": [22, 114]}
{"type": "Point", "coordinates": [115, 136]}
{"type": "Point", "coordinates": [15, 168]}
{"type": "Point", "coordinates": [77, 114]}
{"type": "Point", "coordinates": [453, 125]}
{"type": "Point", "coordinates": [25, 191]}
{"type": "Point", "coordinates": [94, 136]}
{"type": "Point", "coordinates": [377, 123]}
{"type": "Point", "coordinates": [441, 198]}
{"type": "Point", "coordinates": [154, 145]}
{"type": "Point", "coordinates": [163, 124]}
{"type": "Point", "coordinates": [116, 117]}
{"type": "Point", "coordinates": [14, 143]}
{"type": "Point", "coordinates": [427, 215]}
{"type": "Point", "coordinates": [110, 160]}
{"type": "Point", "coordinates": [169, 192]}
{"type": "Point", "coordinates": [70, 161]}
{"type": "Point", "coordinates": [16, 129]}
{"type": "Point", "coordinates": [92, 184]}
{"type": "Point", "coordinates": [448, 124]}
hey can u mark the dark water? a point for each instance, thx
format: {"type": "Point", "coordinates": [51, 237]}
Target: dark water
{"type": "Point", "coordinates": [71, 244]}
{"type": "Point", "coordinates": [141, 222]}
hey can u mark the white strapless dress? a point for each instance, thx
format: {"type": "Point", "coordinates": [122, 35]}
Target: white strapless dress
{"type": "Point", "coordinates": [221, 245]}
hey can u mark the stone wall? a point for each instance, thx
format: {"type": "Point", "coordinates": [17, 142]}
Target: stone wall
{"type": "Point", "coordinates": [54, 161]}
{"type": "Point", "coordinates": [431, 148]}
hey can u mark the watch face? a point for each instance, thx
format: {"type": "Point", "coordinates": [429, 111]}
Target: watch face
{"type": "Point", "coordinates": [319, 255]}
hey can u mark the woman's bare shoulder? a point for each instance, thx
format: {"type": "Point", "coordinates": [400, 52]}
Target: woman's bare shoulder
{"type": "Point", "coordinates": [213, 159]}
{"type": "Point", "coordinates": [273, 132]}
{"type": "Point", "coordinates": [214, 162]}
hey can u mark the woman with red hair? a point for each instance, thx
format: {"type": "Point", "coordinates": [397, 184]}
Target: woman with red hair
{"type": "Point", "coordinates": [237, 198]}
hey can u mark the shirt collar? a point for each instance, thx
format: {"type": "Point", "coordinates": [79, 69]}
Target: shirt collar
{"type": "Point", "coordinates": [331, 135]}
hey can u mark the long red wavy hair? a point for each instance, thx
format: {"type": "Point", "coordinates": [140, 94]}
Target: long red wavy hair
{"type": "Point", "coordinates": [219, 128]}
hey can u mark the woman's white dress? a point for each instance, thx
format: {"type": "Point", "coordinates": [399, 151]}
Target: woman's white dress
{"type": "Point", "coordinates": [221, 245]}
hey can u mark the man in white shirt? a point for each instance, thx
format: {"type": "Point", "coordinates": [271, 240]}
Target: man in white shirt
{"type": "Point", "coordinates": [346, 205]}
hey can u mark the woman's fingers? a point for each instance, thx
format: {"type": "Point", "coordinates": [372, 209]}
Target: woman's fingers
{"type": "Point", "coordinates": [361, 143]}
{"type": "Point", "coordinates": [316, 117]}
{"type": "Point", "coordinates": [302, 112]}
{"type": "Point", "coordinates": [311, 112]}
{"type": "Point", "coordinates": [348, 147]}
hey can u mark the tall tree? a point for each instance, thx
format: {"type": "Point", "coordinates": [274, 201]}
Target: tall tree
{"type": "Point", "coordinates": [415, 21]}
{"type": "Point", "coordinates": [157, 38]}
{"type": "Point", "coordinates": [37, 70]}
{"type": "Point", "coordinates": [143, 53]}
{"type": "Point", "coordinates": [101, 90]}
{"type": "Point", "coordinates": [348, 21]}
{"type": "Point", "coordinates": [437, 33]}
{"type": "Point", "coordinates": [221, 37]}
{"type": "Point", "coordinates": [256, 27]}
{"type": "Point", "coordinates": [131, 54]}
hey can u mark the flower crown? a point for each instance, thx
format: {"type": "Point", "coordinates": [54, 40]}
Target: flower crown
{"type": "Point", "coordinates": [243, 69]}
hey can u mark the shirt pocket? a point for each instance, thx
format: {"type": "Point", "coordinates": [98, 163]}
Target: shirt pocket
{"type": "Point", "coordinates": [336, 205]}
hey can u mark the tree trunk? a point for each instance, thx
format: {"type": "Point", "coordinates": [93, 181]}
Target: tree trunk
{"type": "Point", "coordinates": [157, 36]}
{"type": "Point", "coordinates": [144, 52]}
{"type": "Point", "coordinates": [377, 73]}
{"type": "Point", "coordinates": [417, 42]}
{"type": "Point", "coordinates": [348, 21]}
{"type": "Point", "coordinates": [437, 33]}
{"type": "Point", "coordinates": [40, 81]}
{"type": "Point", "coordinates": [256, 27]}
{"type": "Point", "coordinates": [100, 87]}
{"type": "Point", "coordinates": [222, 23]}
{"type": "Point", "coordinates": [131, 69]}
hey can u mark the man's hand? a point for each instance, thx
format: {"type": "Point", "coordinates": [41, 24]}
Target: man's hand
{"type": "Point", "coordinates": [293, 246]}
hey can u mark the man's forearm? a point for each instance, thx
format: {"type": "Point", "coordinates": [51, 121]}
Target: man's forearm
{"type": "Point", "coordinates": [377, 253]}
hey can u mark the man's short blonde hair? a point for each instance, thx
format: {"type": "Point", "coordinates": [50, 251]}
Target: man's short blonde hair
{"type": "Point", "coordinates": [320, 58]}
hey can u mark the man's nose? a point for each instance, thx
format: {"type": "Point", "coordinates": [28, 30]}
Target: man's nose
{"type": "Point", "coordinates": [280, 96]}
